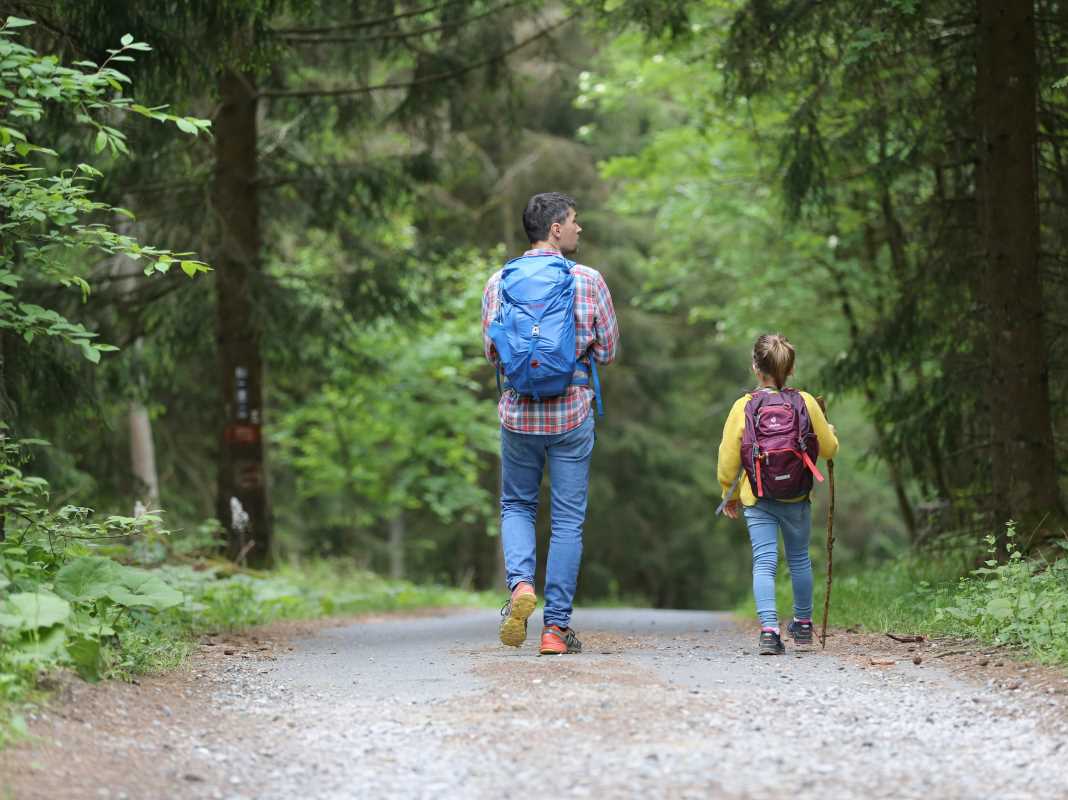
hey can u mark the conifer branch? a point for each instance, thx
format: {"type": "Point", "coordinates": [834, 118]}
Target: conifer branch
{"type": "Point", "coordinates": [401, 34]}
{"type": "Point", "coordinates": [436, 77]}
{"type": "Point", "coordinates": [366, 23]}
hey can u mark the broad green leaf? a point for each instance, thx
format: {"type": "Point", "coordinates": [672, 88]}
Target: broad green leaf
{"type": "Point", "coordinates": [31, 610]}
{"type": "Point", "coordinates": [87, 579]}
{"type": "Point", "coordinates": [83, 623]}
{"type": "Point", "coordinates": [44, 646]}
{"type": "Point", "coordinates": [187, 126]}
{"type": "Point", "coordinates": [84, 651]}
{"type": "Point", "coordinates": [101, 141]}
{"type": "Point", "coordinates": [999, 608]}
{"type": "Point", "coordinates": [127, 40]}
{"type": "Point", "coordinates": [18, 22]}
{"type": "Point", "coordinates": [142, 589]}
{"type": "Point", "coordinates": [90, 352]}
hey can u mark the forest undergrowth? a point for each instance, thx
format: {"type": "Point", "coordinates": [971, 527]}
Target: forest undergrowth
{"type": "Point", "coordinates": [112, 597]}
{"type": "Point", "coordinates": [1015, 601]}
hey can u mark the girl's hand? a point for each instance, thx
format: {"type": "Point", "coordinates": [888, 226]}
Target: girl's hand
{"type": "Point", "coordinates": [731, 509]}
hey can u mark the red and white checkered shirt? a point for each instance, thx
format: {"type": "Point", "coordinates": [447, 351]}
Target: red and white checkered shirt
{"type": "Point", "coordinates": [596, 333]}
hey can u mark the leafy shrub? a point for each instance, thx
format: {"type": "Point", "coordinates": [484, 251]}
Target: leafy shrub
{"type": "Point", "coordinates": [60, 603]}
{"type": "Point", "coordinates": [1018, 602]}
{"type": "Point", "coordinates": [65, 604]}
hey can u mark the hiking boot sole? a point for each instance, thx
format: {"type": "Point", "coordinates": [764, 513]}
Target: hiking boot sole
{"type": "Point", "coordinates": [771, 650]}
{"type": "Point", "coordinates": [514, 627]}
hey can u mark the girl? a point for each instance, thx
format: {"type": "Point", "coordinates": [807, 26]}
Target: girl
{"type": "Point", "coordinates": [771, 439]}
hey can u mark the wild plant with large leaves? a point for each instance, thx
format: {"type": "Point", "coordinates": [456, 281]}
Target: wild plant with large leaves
{"type": "Point", "coordinates": [60, 602]}
{"type": "Point", "coordinates": [62, 599]}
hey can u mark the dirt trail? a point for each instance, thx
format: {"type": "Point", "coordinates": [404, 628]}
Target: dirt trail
{"type": "Point", "coordinates": [661, 704]}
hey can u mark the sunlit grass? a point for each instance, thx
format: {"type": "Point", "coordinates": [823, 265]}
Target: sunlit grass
{"type": "Point", "coordinates": [894, 596]}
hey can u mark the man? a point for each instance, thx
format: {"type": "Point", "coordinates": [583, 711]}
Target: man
{"type": "Point", "coordinates": [557, 432]}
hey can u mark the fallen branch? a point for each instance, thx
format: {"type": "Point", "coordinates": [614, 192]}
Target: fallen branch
{"type": "Point", "coordinates": [950, 653]}
{"type": "Point", "coordinates": [908, 638]}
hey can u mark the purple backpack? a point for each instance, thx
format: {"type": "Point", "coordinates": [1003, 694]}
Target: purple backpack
{"type": "Point", "coordinates": [779, 447]}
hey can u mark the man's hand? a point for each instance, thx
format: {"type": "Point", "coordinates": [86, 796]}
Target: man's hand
{"type": "Point", "coordinates": [731, 509]}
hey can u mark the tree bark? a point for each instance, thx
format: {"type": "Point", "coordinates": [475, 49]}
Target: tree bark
{"type": "Point", "coordinates": [7, 416]}
{"type": "Point", "coordinates": [143, 457]}
{"type": "Point", "coordinates": [1023, 470]}
{"type": "Point", "coordinates": [243, 506]}
{"type": "Point", "coordinates": [142, 447]}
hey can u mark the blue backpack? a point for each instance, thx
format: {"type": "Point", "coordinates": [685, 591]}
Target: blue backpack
{"type": "Point", "coordinates": [534, 330]}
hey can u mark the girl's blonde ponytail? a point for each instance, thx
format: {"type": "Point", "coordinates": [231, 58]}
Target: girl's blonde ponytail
{"type": "Point", "coordinates": [774, 356]}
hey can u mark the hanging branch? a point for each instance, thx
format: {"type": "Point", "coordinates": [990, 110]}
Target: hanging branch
{"type": "Point", "coordinates": [367, 23]}
{"type": "Point", "coordinates": [438, 76]}
{"type": "Point", "coordinates": [399, 35]}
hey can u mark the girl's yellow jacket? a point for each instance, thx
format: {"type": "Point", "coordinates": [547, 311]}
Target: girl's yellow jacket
{"type": "Point", "coordinates": [730, 449]}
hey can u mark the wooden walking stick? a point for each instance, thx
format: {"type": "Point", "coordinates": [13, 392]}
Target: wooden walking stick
{"type": "Point", "coordinates": [830, 541]}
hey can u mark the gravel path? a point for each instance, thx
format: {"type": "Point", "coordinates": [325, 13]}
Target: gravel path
{"type": "Point", "coordinates": [661, 704]}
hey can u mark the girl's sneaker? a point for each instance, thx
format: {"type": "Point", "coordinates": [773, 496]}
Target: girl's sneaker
{"type": "Point", "coordinates": [800, 631]}
{"type": "Point", "coordinates": [770, 644]}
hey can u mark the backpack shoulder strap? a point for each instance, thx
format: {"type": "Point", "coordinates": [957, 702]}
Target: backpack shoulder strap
{"type": "Point", "coordinates": [805, 430]}
{"type": "Point", "coordinates": [797, 400]}
{"type": "Point", "coordinates": [741, 466]}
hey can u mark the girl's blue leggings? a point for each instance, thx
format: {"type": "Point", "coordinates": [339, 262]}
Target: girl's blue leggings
{"type": "Point", "coordinates": [765, 520]}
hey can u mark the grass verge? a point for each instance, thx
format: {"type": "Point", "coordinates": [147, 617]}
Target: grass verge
{"type": "Point", "coordinates": [1017, 601]}
{"type": "Point", "coordinates": [213, 598]}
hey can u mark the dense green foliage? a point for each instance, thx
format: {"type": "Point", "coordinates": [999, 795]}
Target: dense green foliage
{"type": "Point", "coordinates": [73, 600]}
{"type": "Point", "coordinates": [48, 212]}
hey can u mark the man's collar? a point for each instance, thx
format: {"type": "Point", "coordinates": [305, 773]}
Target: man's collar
{"type": "Point", "coordinates": [543, 251]}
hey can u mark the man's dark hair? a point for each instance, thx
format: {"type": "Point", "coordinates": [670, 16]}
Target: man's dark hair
{"type": "Point", "coordinates": [542, 211]}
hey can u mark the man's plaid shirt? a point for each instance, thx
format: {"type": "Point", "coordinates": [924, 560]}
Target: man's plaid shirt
{"type": "Point", "coordinates": [596, 333]}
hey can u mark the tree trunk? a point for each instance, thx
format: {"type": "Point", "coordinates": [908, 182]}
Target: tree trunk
{"type": "Point", "coordinates": [243, 506]}
{"type": "Point", "coordinates": [142, 447]}
{"type": "Point", "coordinates": [396, 546]}
{"type": "Point", "coordinates": [1023, 471]}
{"type": "Point", "coordinates": [143, 458]}
{"type": "Point", "coordinates": [7, 416]}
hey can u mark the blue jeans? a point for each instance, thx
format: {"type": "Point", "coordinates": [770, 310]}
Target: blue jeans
{"type": "Point", "coordinates": [765, 520]}
{"type": "Point", "coordinates": [523, 459]}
